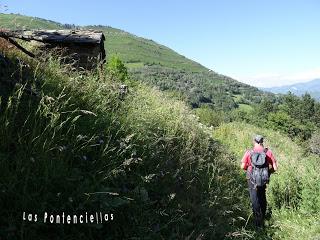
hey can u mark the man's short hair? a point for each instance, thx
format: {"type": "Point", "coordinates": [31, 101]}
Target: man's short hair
{"type": "Point", "coordinates": [258, 139]}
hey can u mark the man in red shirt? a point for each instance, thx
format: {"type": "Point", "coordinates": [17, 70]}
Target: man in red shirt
{"type": "Point", "coordinates": [258, 193]}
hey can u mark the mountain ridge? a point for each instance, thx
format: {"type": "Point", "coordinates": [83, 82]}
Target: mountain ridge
{"type": "Point", "coordinates": [18, 21]}
{"type": "Point", "coordinates": [312, 87]}
{"type": "Point", "coordinates": [159, 65]}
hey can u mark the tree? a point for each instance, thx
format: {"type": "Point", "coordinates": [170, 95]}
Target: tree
{"type": "Point", "coordinates": [316, 117]}
{"type": "Point", "coordinates": [283, 122]}
{"type": "Point", "coordinates": [265, 107]}
{"type": "Point", "coordinates": [307, 107]}
{"type": "Point", "coordinates": [117, 69]}
{"type": "Point", "coordinates": [291, 105]}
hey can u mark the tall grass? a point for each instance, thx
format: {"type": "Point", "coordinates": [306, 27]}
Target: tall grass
{"type": "Point", "coordinates": [294, 191]}
{"type": "Point", "coordinates": [69, 143]}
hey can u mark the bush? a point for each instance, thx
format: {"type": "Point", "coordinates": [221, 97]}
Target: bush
{"type": "Point", "coordinates": [314, 143]}
{"type": "Point", "coordinates": [209, 117]}
{"type": "Point", "coordinates": [310, 192]}
{"type": "Point", "coordinates": [116, 68]}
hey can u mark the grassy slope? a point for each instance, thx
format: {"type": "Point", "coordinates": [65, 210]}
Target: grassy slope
{"type": "Point", "coordinates": [159, 134]}
{"type": "Point", "coordinates": [294, 191]}
{"type": "Point", "coordinates": [15, 21]}
{"type": "Point", "coordinates": [151, 62]}
{"type": "Point", "coordinates": [130, 48]}
{"type": "Point", "coordinates": [77, 147]}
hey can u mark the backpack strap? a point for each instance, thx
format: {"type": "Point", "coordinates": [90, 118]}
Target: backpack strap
{"type": "Point", "coordinates": [251, 151]}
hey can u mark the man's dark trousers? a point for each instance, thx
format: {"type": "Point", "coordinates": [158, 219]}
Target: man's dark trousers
{"type": "Point", "coordinates": [259, 203]}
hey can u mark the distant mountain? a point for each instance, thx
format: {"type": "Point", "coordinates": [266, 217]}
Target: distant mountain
{"type": "Point", "coordinates": [311, 87]}
{"type": "Point", "coordinates": [158, 65]}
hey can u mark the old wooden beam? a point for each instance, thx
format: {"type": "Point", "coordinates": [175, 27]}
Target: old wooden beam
{"type": "Point", "coordinates": [82, 48]}
{"type": "Point", "coordinates": [17, 45]}
{"type": "Point", "coordinates": [57, 36]}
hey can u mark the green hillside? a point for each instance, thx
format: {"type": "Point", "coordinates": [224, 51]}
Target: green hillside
{"type": "Point", "coordinates": [70, 142]}
{"type": "Point", "coordinates": [16, 21]}
{"type": "Point", "coordinates": [160, 66]}
{"type": "Point", "coordinates": [132, 49]}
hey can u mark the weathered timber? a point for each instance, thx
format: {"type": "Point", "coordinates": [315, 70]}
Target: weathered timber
{"type": "Point", "coordinates": [83, 48]}
{"type": "Point", "coordinates": [17, 45]}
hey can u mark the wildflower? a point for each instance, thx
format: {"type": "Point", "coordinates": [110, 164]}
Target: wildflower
{"type": "Point", "coordinates": [172, 196]}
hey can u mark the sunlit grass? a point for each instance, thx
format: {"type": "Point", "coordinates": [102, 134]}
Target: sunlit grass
{"type": "Point", "coordinates": [293, 192]}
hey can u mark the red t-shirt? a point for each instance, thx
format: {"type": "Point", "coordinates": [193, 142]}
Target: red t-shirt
{"type": "Point", "coordinates": [247, 157]}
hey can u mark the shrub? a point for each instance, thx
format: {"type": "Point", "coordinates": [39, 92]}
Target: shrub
{"type": "Point", "coordinates": [116, 68]}
{"type": "Point", "coordinates": [310, 181]}
{"type": "Point", "coordinates": [314, 143]}
{"type": "Point", "coordinates": [209, 116]}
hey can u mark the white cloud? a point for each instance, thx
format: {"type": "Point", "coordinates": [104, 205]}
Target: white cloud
{"type": "Point", "coordinates": [275, 79]}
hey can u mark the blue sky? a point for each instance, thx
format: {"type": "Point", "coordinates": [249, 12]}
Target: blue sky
{"type": "Point", "coordinates": [260, 42]}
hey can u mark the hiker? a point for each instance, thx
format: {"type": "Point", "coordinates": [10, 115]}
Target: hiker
{"type": "Point", "coordinates": [259, 164]}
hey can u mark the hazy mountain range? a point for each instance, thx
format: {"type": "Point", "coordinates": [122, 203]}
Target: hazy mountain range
{"type": "Point", "coordinates": [311, 87]}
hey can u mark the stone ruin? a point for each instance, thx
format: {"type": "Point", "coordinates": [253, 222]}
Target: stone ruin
{"type": "Point", "coordinates": [84, 49]}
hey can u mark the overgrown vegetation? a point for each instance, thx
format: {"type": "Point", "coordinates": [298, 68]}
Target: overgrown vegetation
{"type": "Point", "coordinates": [205, 88]}
{"type": "Point", "coordinates": [293, 192]}
{"type": "Point", "coordinates": [160, 66]}
{"type": "Point", "coordinates": [297, 117]}
{"type": "Point", "coordinates": [70, 144]}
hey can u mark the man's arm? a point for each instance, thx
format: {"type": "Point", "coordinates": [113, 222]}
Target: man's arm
{"type": "Point", "coordinates": [273, 160]}
{"type": "Point", "coordinates": [244, 161]}
{"type": "Point", "coordinates": [243, 166]}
